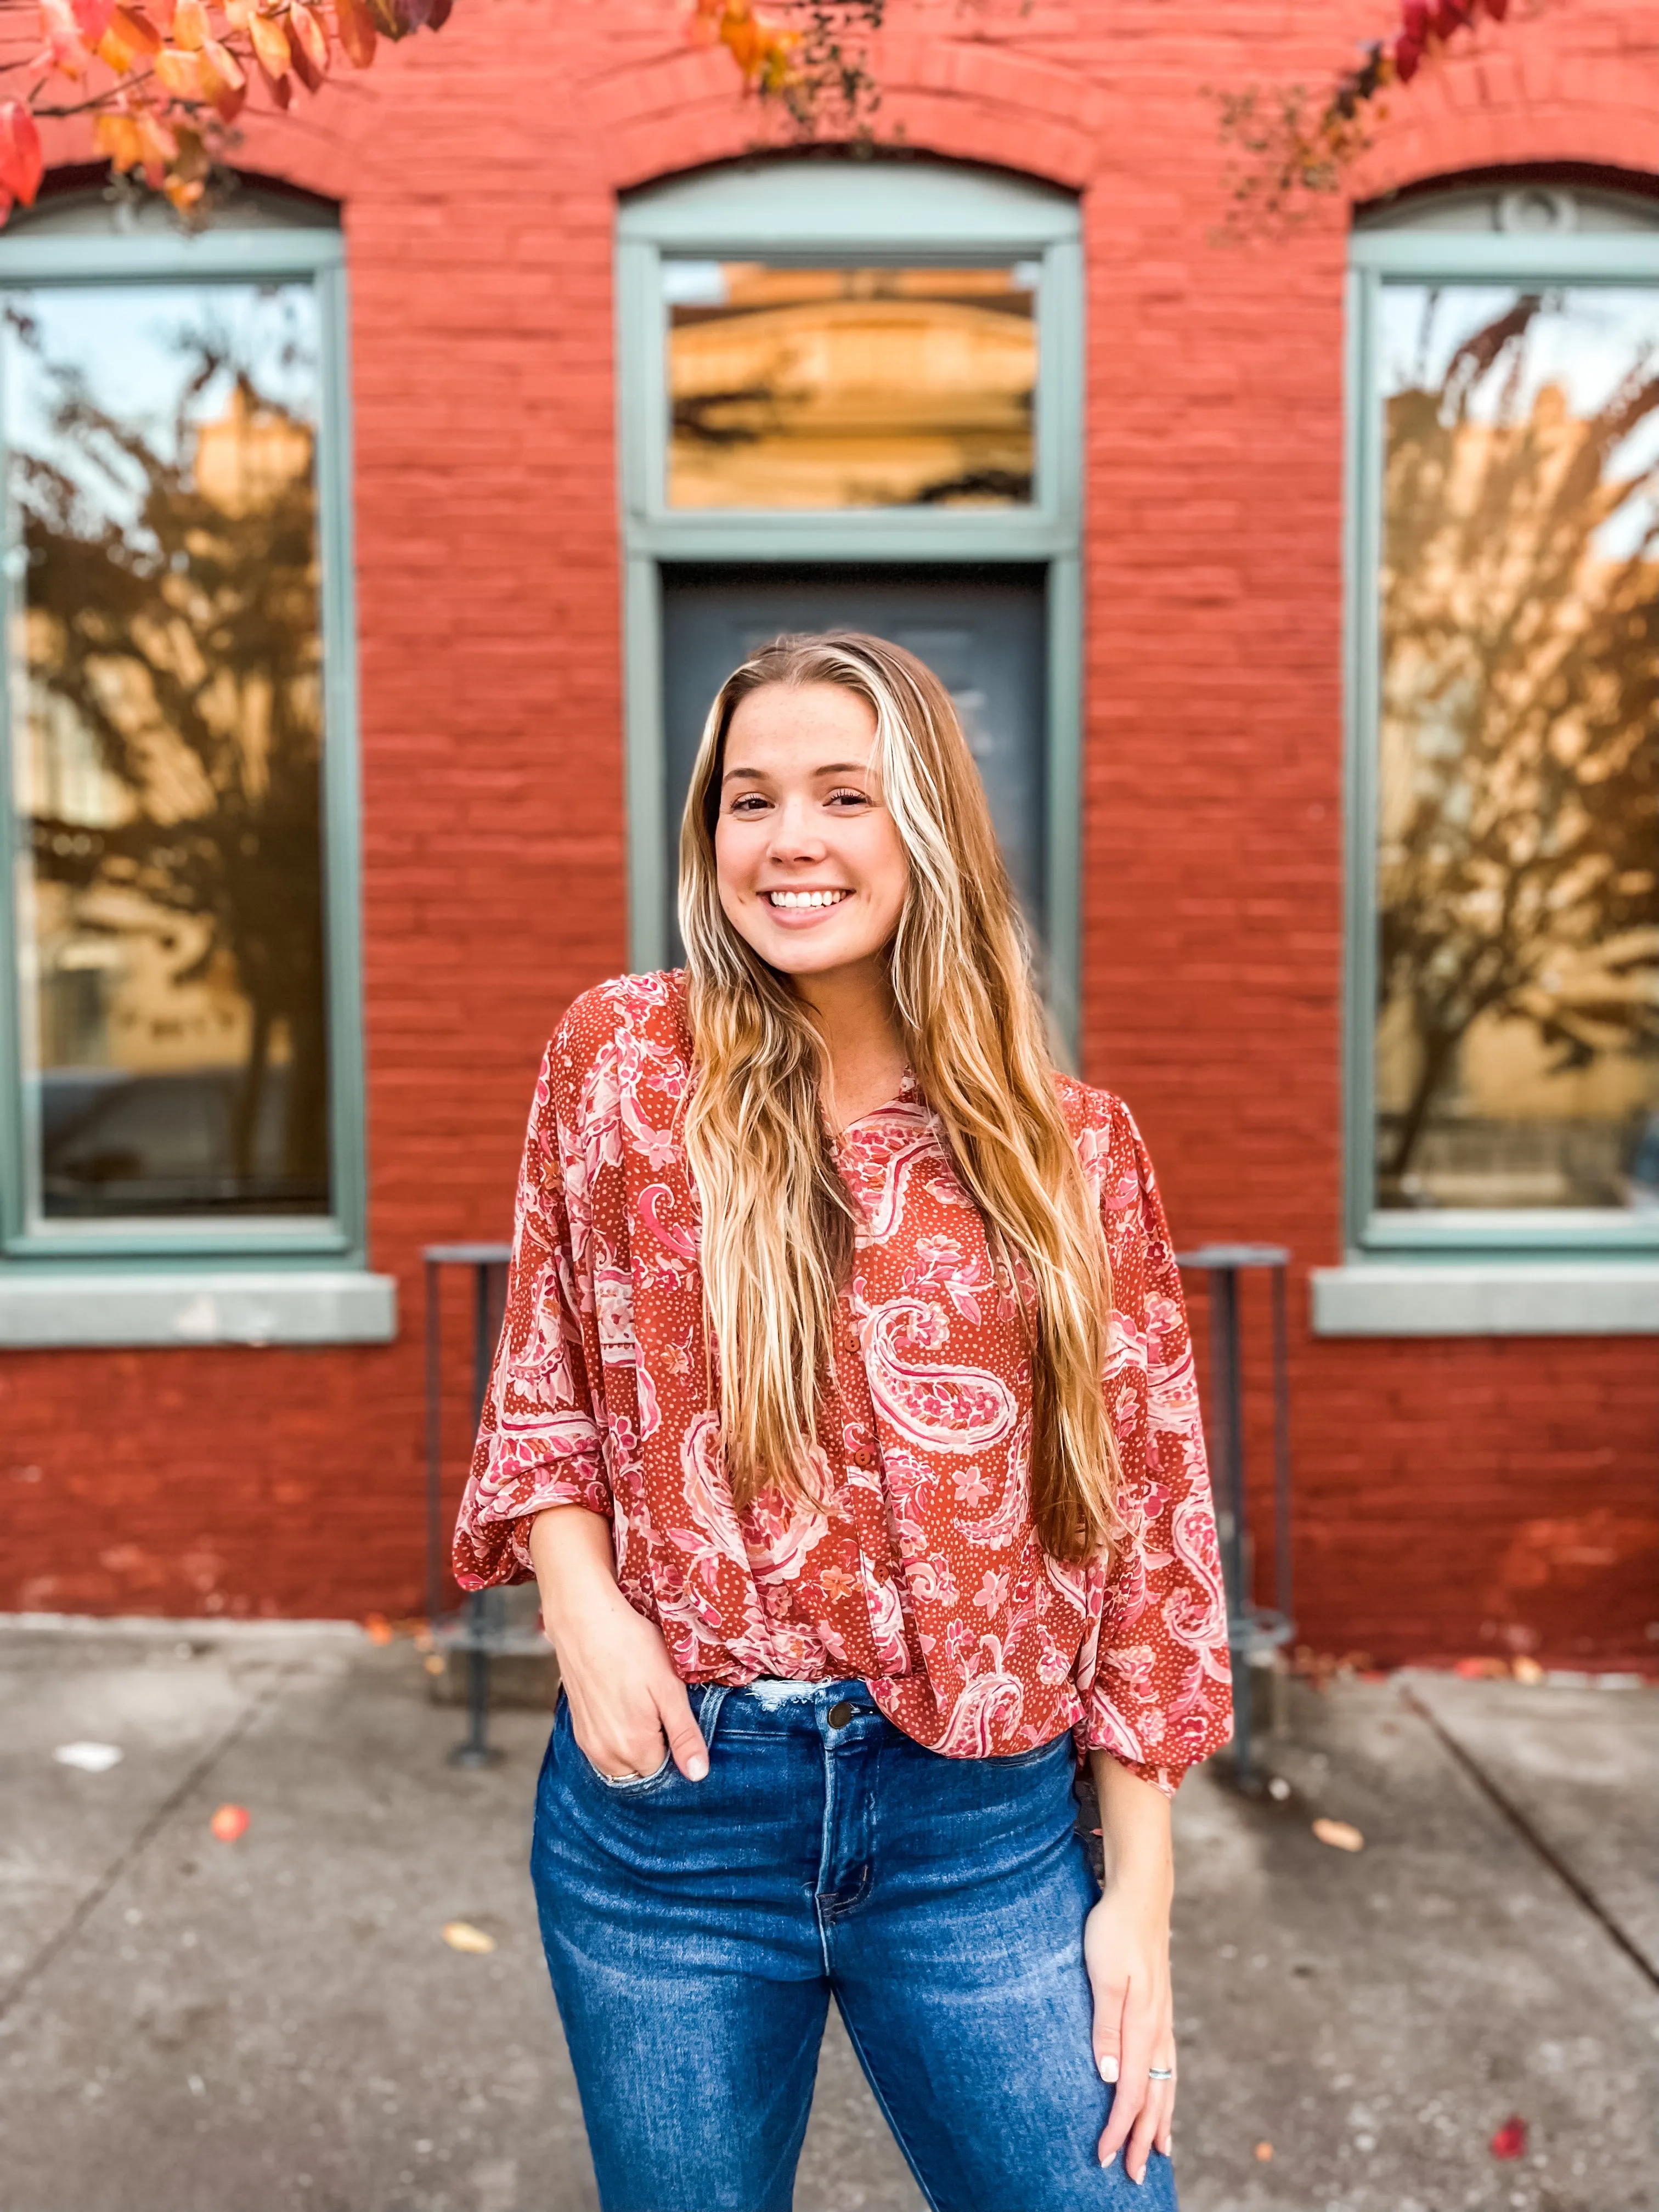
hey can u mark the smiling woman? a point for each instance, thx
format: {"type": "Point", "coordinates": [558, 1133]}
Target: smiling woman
{"type": "Point", "coordinates": [838, 1329]}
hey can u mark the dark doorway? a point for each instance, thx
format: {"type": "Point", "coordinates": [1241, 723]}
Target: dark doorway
{"type": "Point", "coordinates": [982, 629]}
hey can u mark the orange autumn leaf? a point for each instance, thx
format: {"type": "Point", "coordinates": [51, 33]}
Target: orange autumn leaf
{"type": "Point", "coordinates": [358, 33]}
{"type": "Point", "coordinates": [179, 74]}
{"type": "Point", "coordinates": [224, 65]}
{"type": "Point", "coordinates": [280, 88]}
{"type": "Point", "coordinates": [134, 28]}
{"type": "Point", "coordinates": [271, 48]}
{"type": "Point", "coordinates": [116, 138]}
{"type": "Point", "coordinates": [189, 25]}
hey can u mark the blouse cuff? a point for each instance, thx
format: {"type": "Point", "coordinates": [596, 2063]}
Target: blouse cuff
{"type": "Point", "coordinates": [492, 1536]}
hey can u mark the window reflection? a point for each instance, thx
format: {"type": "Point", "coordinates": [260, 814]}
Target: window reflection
{"type": "Point", "coordinates": [1518, 1039]}
{"type": "Point", "coordinates": [849, 387]}
{"type": "Point", "coordinates": [166, 667]}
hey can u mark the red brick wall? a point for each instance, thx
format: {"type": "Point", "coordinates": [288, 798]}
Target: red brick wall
{"type": "Point", "coordinates": [1452, 1496]}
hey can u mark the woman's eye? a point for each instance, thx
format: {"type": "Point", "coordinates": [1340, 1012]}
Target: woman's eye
{"type": "Point", "coordinates": [848, 799]}
{"type": "Point", "coordinates": [750, 803]}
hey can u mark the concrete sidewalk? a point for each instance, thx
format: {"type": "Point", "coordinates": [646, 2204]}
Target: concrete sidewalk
{"type": "Point", "coordinates": [276, 2025]}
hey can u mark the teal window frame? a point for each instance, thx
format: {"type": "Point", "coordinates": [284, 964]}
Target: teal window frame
{"type": "Point", "coordinates": [808, 211]}
{"type": "Point", "coordinates": [47, 257]}
{"type": "Point", "coordinates": [1538, 259]}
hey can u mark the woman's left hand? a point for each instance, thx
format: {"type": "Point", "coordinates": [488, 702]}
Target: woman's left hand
{"type": "Point", "coordinates": [1126, 1949]}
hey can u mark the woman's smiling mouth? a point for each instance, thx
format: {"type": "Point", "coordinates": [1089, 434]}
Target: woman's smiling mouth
{"type": "Point", "coordinates": [804, 902]}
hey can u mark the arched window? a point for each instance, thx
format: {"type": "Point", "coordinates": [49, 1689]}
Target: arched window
{"type": "Point", "coordinates": [1503, 711]}
{"type": "Point", "coordinates": [850, 393]}
{"type": "Point", "coordinates": [180, 1061]}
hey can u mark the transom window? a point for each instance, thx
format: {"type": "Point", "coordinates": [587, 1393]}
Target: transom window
{"type": "Point", "coordinates": [1504, 941]}
{"type": "Point", "coordinates": [850, 386]}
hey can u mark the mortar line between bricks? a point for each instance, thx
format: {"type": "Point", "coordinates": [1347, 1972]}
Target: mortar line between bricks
{"type": "Point", "coordinates": [1535, 1843]}
{"type": "Point", "coordinates": [31, 1972]}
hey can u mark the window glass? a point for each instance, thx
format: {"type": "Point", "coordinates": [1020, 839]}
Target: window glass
{"type": "Point", "coordinates": [849, 387]}
{"type": "Point", "coordinates": [166, 673]}
{"type": "Point", "coordinates": [1517, 1023]}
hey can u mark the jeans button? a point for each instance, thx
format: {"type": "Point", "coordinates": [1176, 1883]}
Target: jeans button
{"type": "Point", "coordinates": [841, 1714]}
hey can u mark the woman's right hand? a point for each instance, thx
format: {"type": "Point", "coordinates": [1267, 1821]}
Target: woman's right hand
{"type": "Point", "coordinates": [625, 1697]}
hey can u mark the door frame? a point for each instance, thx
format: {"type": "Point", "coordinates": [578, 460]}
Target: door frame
{"type": "Point", "coordinates": [809, 210]}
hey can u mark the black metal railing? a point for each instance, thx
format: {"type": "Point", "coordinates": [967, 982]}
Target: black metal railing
{"type": "Point", "coordinates": [1254, 1631]}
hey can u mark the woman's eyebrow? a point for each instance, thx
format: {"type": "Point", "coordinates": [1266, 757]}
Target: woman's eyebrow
{"type": "Point", "coordinates": [830, 768]}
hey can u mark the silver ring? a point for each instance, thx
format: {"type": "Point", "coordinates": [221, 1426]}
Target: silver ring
{"type": "Point", "coordinates": [1160, 2073]}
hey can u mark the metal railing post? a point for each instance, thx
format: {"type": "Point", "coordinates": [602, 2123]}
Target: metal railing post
{"type": "Point", "coordinates": [489, 1265]}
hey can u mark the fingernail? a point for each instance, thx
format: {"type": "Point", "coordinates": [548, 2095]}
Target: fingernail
{"type": "Point", "coordinates": [698, 1768]}
{"type": "Point", "coordinates": [1108, 2069]}
{"type": "Point", "coordinates": [1108, 2158]}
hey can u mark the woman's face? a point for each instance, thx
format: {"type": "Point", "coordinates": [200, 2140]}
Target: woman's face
{"type": "Point", "coordinates": [811, 871]}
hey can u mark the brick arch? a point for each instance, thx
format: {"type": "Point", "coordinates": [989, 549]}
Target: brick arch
{"type": "Point", "coordinates": [1521, 100]}
{"type": "Point", "coordinates": [963, 101]}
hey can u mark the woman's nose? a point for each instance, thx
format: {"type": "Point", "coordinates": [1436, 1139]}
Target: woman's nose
{"type": "Point", "coordinates": [795, 836]}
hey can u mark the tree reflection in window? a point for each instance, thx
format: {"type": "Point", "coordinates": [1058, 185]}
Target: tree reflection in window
{"type": "Point", "coordinates": [166, 684]}
{"type": "Point", "coordinates": [1517, 1041]}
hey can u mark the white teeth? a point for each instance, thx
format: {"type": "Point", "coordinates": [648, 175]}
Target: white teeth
{"type": "Point", "coordinates": [794, 899]}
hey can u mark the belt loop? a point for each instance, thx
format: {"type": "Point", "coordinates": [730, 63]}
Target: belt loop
{"type": "Point", "coordinates": [709, 1710]}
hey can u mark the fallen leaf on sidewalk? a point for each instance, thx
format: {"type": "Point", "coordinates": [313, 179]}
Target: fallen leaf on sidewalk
{"type": "Point", "coordinates": [1264, 2152]}
{"type": "Point", "coordinates": [1511, 2141]}
{"type": "Point", "coordinates": [433, 1662]}
{"type": "Point", "coordinates": [1528, 1670]}
{"type": "Point", "coordinates": [89, 1758]}
{"type": "Point", "coordinates": [231, 1821]}
{"type": "Point", "coordinates": [377, 1628]}
{"type": "Point", "coordinates": [1339, 1835]}
{"type": "Point", "coordinates": [462, 1935]}
{"type": "Point", "coordinates": [1278, 1789]}
{"type": "Point", "coordinates": [1482, 1670]}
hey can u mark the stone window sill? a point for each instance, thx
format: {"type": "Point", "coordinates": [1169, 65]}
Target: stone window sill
{"type": "Point", "coordinates": [195, 1306]}
{"type": "Point", "coordinates": [1486, 1298]}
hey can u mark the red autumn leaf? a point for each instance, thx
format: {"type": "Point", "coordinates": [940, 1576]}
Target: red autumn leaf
{"type": "Point", "coordinates": [310, 38]}
{"type": "Point", "coordinates": [92, 18]}
{"type": "Point", "coordinates": [1498, 9]}
{"type": "Point", "coordinates": [227, 104]}
{"type": "Point", "coordinates": [1415, 21]}
{"type": "Point", "coordinates": [62, 36]}
{"type": "Point", "coordinates": [271, 48]}
{"type": "Point", "coordinates": [1511, 2141]}
{"type": "Point", "coordinates": [1407, 59]}
{"type": "Point", "coordinates": [162, 10]}
{"type": "Point", "coordinates": [357, 33]}
{"type": "Point", "coordinates": [230, 1822]}
{"type": "Point", "coordinates": [20, 162]}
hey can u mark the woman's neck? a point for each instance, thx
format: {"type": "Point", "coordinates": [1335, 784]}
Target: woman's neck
{"type": "Point", "coordinates": [851, 1009]}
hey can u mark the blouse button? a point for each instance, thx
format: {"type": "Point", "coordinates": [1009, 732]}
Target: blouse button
{"type": "Point", "coordinates": [864, 1460]}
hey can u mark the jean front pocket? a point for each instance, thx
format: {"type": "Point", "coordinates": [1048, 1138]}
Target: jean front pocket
{"type": "Point", "coordinates": [624, 1783]}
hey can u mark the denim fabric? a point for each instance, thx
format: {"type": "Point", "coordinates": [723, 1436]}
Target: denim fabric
{"type": "Point", "coordinates": [695, 1931]}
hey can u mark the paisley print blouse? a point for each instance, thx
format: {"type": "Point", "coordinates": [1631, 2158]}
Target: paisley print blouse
{"type": "Point", "coordinates": [923, 1575]}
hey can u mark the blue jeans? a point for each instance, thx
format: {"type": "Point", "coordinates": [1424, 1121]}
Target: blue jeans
{"type": "Point", "coordinates": [695, 1931]}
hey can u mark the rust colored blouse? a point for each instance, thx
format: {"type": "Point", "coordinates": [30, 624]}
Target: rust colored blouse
{"type": "Point", "coordinates": [925, 1576]}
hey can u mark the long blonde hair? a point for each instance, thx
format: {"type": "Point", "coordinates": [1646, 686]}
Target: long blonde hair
{"type": "Point", "coordinates": [777, 1221]}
